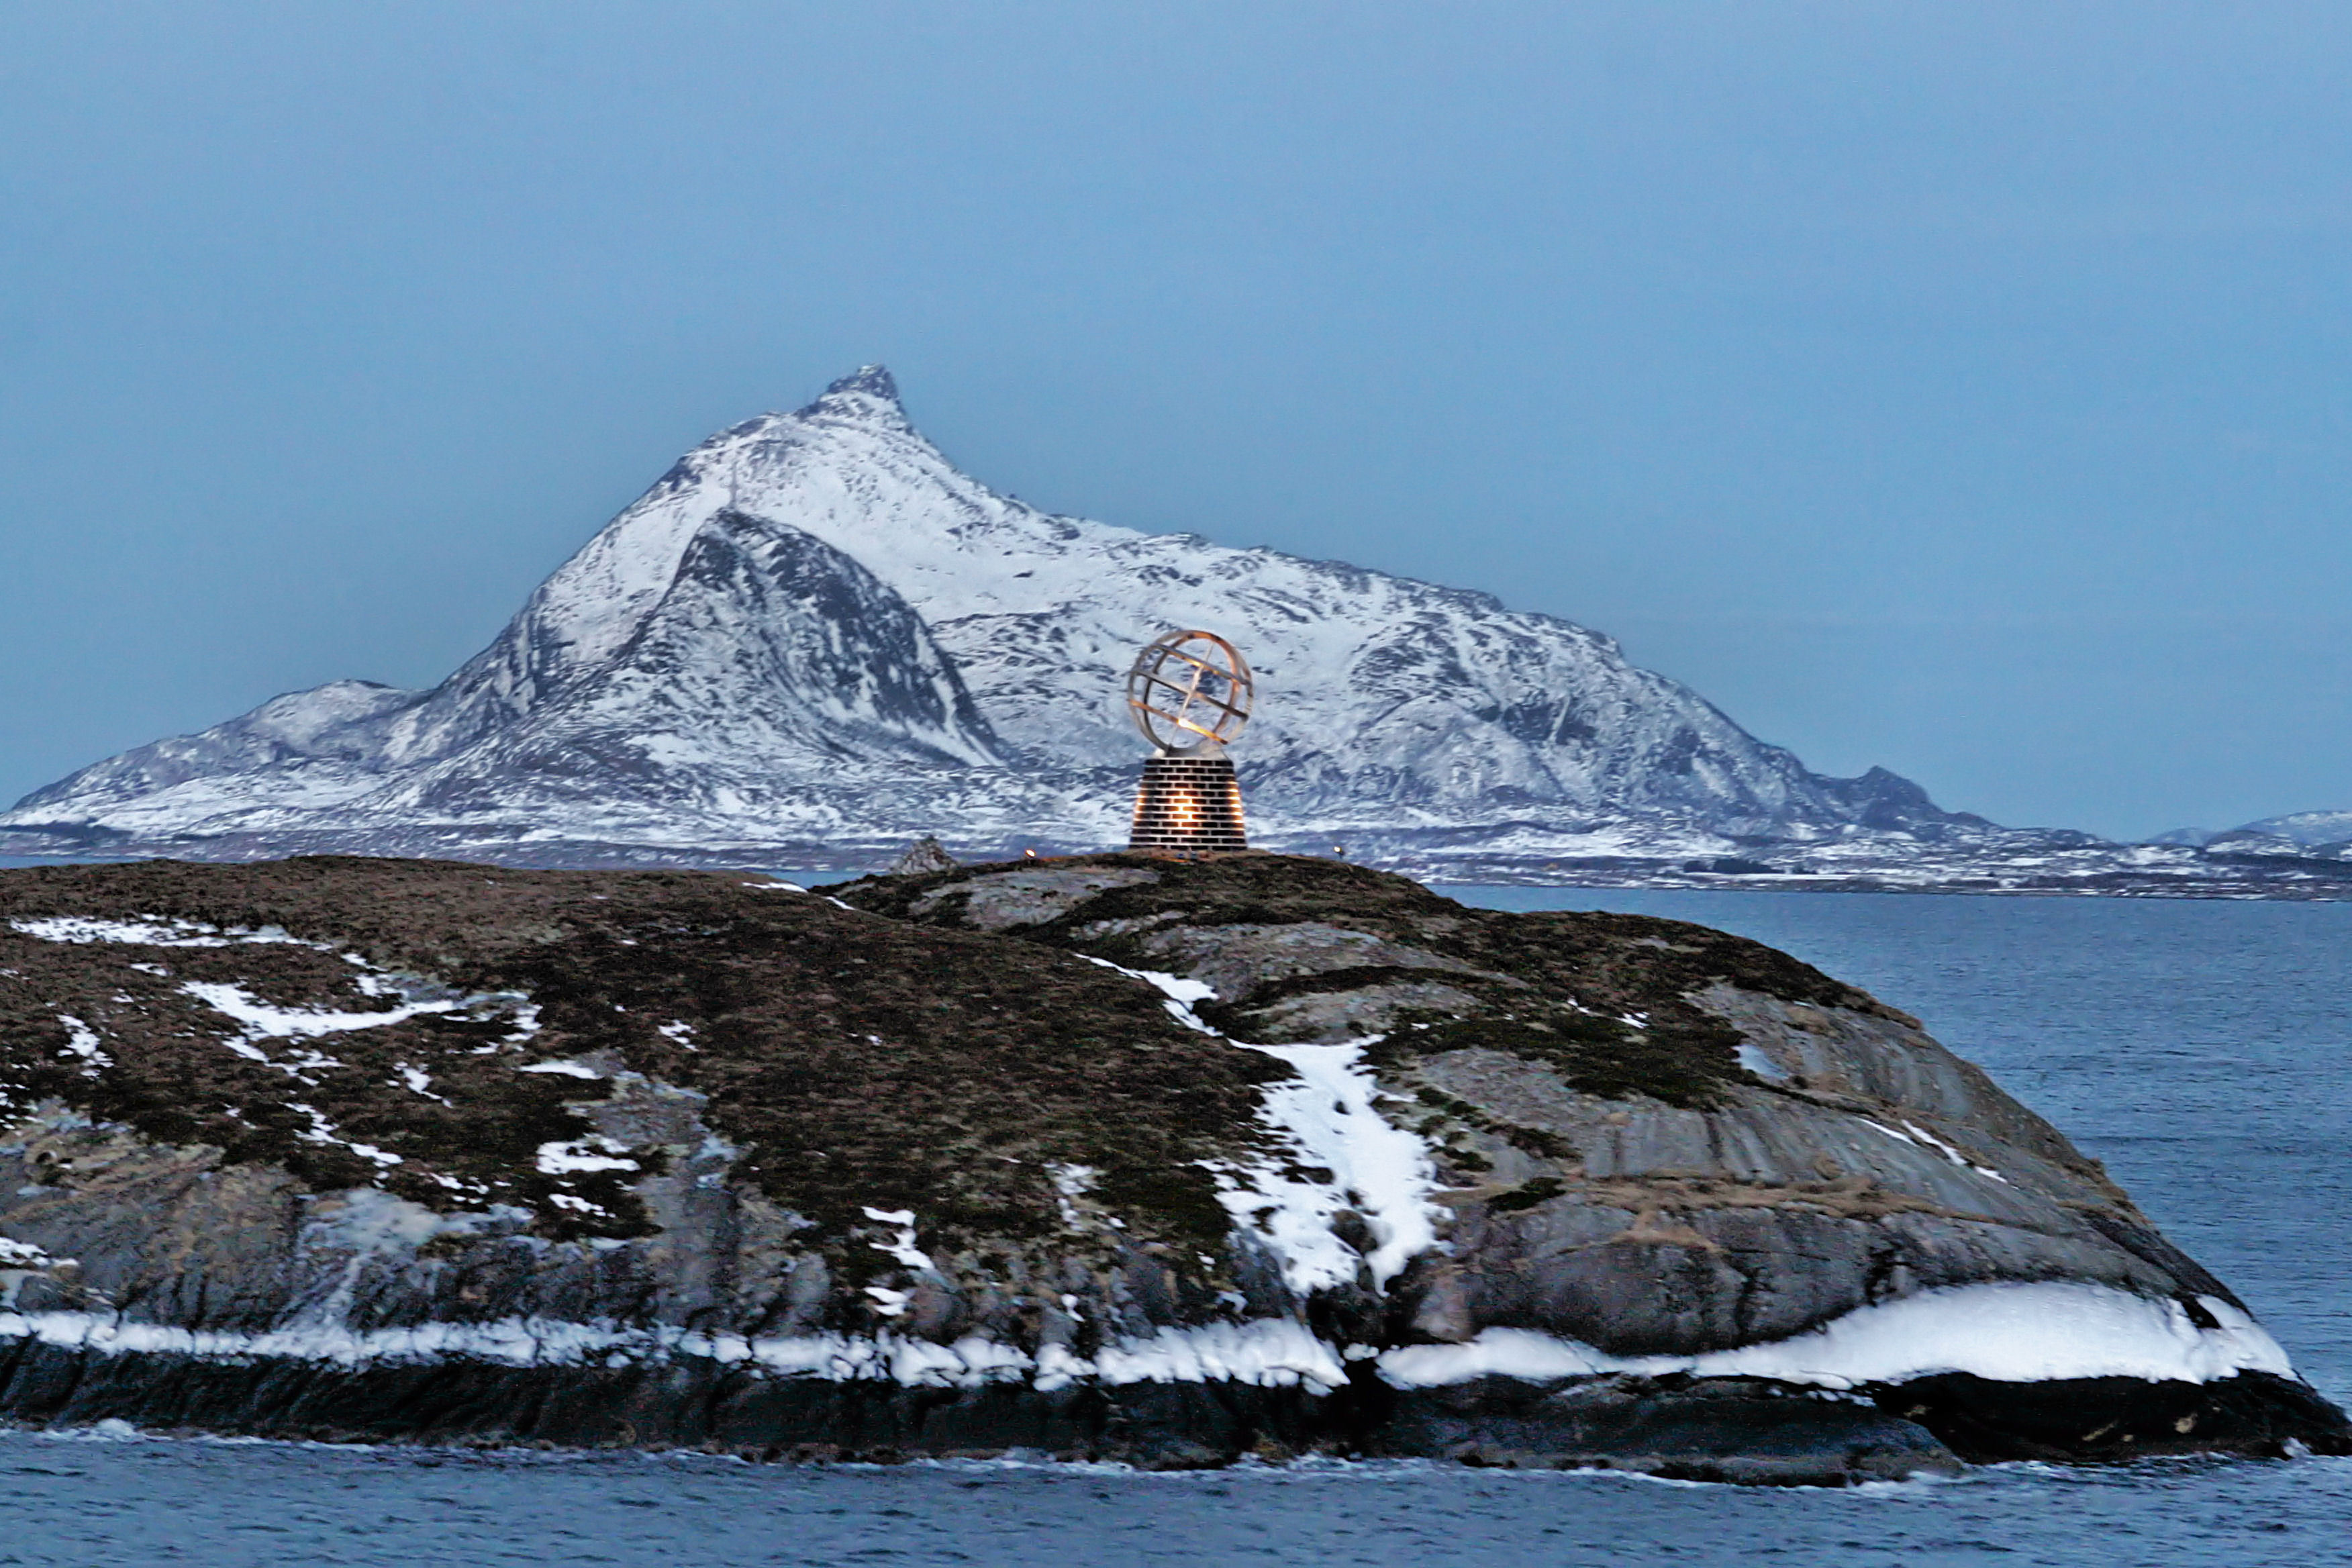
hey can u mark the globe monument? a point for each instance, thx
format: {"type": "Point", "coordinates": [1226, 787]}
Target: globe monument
{"type": "Point", "coordinates": [1190, 693]}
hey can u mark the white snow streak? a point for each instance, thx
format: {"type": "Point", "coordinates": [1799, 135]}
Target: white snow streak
{"type": "Point", "coordinates": [2008, 1333]}
{"type": "Point", "coordinates": [322, 1130]}
{"type": "Point", "coordinates": [594, 1152]}
{"type": "Point", "coordinates": [1377, 1168]}
{"type": "Point", "coordinates": [1072, 1182]}
{"type": "Point", "coordinates": [1381, 1171]}
{"type": "Point", "coordinates": [902, 1247]}
{"type": "Point", "coordinates": [2004, 1332]}
{"type": "Point", "coordinates": [1920, 1137]}
{"type": "Point", "coordinates": [152, 931]}
{"type": "Point", "coordinates": [261, 1020]}
{"type": "Point", "coordinates": [416, 1080]}
{"type": "Point", "coordinates": [1268, 1352]}
{"type": "Point", "coordinates": [82, 1040]}
{"type": "Point", "coordinates": [1182, 994]}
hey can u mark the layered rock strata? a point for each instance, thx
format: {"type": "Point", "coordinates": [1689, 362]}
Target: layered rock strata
{"type": "Point", "coordinates": [1107, 1157]}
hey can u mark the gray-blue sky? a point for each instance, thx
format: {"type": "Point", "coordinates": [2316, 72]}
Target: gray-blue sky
{"type": "Point", "coordinates": [1956, 387]}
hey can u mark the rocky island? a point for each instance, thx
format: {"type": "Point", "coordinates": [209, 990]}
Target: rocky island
{"type": "Point", "coordinates": [1111, 1157]}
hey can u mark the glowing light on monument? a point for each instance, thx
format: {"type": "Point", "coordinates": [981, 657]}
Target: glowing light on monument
{"type": "Point", "coordinates": [1191, 694]}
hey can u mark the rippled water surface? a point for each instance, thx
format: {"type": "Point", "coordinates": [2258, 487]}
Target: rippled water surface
{"type": "Point", "coordinates": [2201, 1049]}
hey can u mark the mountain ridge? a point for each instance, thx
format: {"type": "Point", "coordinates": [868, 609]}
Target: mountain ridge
{"type": "Point", "coordinates": [814, 633]}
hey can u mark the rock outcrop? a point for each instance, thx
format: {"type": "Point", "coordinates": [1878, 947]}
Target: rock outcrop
{"type": "Point", "coordinates": [1112, 1157]}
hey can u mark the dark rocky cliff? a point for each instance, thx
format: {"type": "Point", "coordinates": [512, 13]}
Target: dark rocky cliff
{"type": "Point", "coordinates": [978, 1160]}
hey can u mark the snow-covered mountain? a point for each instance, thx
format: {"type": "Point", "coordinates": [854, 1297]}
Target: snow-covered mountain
{"type": "Point", "coordinates": [815, 632]}
{"type": "Point", "coordinates": [2323, 835]}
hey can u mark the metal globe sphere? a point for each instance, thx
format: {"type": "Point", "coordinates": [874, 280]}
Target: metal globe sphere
{"type": "Point", "coordinates": [1189, 691]}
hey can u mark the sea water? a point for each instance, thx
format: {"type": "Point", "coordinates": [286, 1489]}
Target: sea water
{"type": "Point", "coordinates": [2203, 1049]}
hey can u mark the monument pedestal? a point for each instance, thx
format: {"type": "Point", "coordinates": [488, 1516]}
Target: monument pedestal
{"type": "Point", "coordinates": [1188, 804]}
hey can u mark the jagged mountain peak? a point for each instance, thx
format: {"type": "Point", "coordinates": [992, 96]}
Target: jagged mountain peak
{"type": "Point", "coordinates": [874, 380]}
{"type": "Point", "coordinates": [869, 393]}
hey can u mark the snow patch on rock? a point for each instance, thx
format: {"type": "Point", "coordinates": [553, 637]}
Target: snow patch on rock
{"type": "Point", "coordinates": [1182, 995]}
{"type": "Point", "coordinates": [82, 1041]}
{"type": "Point", "coordinates": [594, 1152]}
{"type": "Point", "coordinates": [23, 1254]}
{"type": "Point", "coordinates": [262, 1020]}
{"type": "Point", "coordinates": [901, 1246]}
{"type": "Point", "coordinates": [322, 1130]}
{"type": "Point", "coordinates": [563, 1069]}
{"type": "Point", "coordinates": [152, 931]}
{"type": "Point", "coordinates": [2004, 1332]}
{"type": "Point", "coordinates": [1348, 1156]}
{"type": "Point", "coordinates": [1920, 1137]}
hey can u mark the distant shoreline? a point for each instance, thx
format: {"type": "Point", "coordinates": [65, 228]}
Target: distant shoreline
{"type": "Point", "coordinates": [2243, 878]}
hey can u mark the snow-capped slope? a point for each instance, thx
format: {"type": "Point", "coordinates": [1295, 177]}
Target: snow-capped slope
{"type": "Point", "coordinates": [300, 753]}
{"type": "Point", "coordinates": [769, 662]}
{"type": "Point", "coordinates": [770, 657]}
{"type": "Point", "coordinates": [2320, 835]}
{"type": "Point", "coordinates": [815, 626]}
{"type": "Point", "coordinates": [2310, 829]}
{"type": "Point", "coordinates": [1383, 702]}
{"type": "Point", "coordinates": [319, 728]}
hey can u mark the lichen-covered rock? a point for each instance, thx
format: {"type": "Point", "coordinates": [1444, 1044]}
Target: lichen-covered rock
{"type": "Point", "coordinates": [1110, 1157]}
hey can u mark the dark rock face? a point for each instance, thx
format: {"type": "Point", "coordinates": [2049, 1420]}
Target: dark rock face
{"type": "Point", "coordinates": [800, 648]}
{"type": "Point", "coordinates": [399, 1150]}
{"type": "Point", "coordinates": [1711, 1429]}
{"type": "Point", "coordinates": [2117, 1418]}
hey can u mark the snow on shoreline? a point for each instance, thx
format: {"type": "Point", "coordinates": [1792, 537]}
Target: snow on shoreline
{"type": "Point", "coordinates": [1269, 1353]}
{"type": "Point", "coordinates": [2003, 1333]}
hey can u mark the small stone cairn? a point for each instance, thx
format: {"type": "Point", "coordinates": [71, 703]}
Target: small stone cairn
{"type": "Point", "coordinates": [923, 857]}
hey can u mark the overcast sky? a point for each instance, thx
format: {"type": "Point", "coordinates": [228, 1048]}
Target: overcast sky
{"type": "Point", "coordinates": [1960, 388]}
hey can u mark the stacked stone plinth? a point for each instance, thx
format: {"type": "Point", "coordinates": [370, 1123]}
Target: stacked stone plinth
{"type": "Point", "coordinates": [1189, 804]}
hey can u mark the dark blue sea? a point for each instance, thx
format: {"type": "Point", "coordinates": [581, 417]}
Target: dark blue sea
{"type": "Point", "coordinates": [2202, 1049]}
